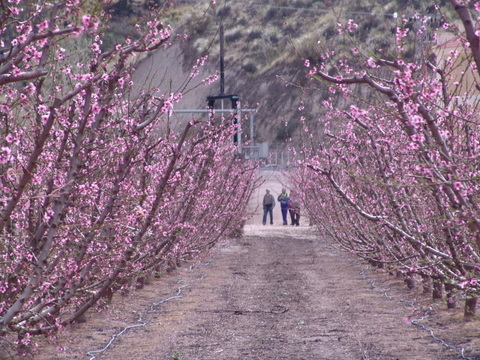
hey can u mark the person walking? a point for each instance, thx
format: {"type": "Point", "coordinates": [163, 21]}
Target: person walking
{"type": "Point", "coordinates": [284, 201]}
{"type": "Point", "coordinates": [294, 209]}
{"type": "Point", "coordinates": [268, 205]}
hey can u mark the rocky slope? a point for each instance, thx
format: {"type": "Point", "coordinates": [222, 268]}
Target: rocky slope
{"type": "Point", "coordinates": [265, 46]}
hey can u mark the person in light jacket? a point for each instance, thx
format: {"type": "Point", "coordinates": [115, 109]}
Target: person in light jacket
{"type": "Point", "coordinates": [284, 201]}
{"type": "Point", "coordinates": [268, 205]}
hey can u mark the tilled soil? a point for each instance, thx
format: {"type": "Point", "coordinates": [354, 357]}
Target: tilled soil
{"type": "Point", "coordinates": [279, 292]}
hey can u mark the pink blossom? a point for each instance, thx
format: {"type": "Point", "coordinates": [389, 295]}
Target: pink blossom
{"type": "Point", "coordinates": [457, 185]}
{"type": "Point", "coordinates": [95, 48]}
{"type": "Point", "coordinates": [371, 62]}
{"type": "Point", "coordinates": [351, 25]}
{"type": "Point", "coordinates": [43, 25]}
{"type": "Point", "coordinates": [86, 19]}
{"type": "Point", "coordinates": [4, 155]}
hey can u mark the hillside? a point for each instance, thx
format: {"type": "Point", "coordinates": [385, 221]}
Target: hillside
{"type": "Point", "coordinates": [265, 46]}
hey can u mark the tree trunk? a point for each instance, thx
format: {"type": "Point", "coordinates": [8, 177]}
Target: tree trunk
{"type": "Point", "coordinates": [410, 281]}
{"type": "Point", "coordinates": [437, 290]}
{"type": "Point", "coordinates": [470, 307]}
{"type": "Point", "coordinates": [451, 298]}
{"type": "Point", "coordinates": [427, 284]}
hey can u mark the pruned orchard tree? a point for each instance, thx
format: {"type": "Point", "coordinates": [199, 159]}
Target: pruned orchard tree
{"type": "Point", "coordinates": [96, 189]}
{"type": "Point", "coordinates": [396, 179]}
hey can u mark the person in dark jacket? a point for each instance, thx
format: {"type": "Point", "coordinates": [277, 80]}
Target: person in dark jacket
{"type": "Point", "coordinates": [284, 201]}
{"type": "Point", "coordinates": [268, 205]}
{"type": "Point", "coordinates": [294, 209]}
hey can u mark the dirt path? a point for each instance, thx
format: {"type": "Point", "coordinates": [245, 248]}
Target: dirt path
{"type": "Point", "coordinates": [277, 293]}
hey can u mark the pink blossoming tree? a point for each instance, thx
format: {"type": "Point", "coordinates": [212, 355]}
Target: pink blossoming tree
{"type": "Point", "coordinates": [96, 189]}
{"type": "Point", "coordinates": [396, 178]}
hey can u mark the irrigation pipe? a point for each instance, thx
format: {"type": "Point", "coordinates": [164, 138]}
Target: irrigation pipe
{"type": "Point", "coordinates": [412, 303]}
{"type": "Point", "coordinates": [416, 322]}
{"type": "Point", "coordinates": [153, 307]}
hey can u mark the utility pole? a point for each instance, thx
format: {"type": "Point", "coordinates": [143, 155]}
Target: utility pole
{"type": "Point", "coordinates": [222, 60]}
{"type": "Point", "coordinates": [234, 99]}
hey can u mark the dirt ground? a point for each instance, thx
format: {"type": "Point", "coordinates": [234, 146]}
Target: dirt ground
{"type": "Point", "coordinates": [279, 292]}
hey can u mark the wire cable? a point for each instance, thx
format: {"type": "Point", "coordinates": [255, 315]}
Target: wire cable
{"type": "Point", "coordinates": [141, 322]}
{"type": "Point", "coordinates": [411, 303]}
